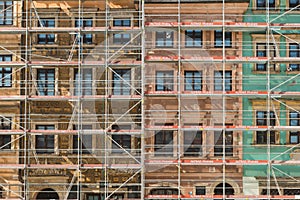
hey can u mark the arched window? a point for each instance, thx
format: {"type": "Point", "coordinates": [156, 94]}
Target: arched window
{"type": "Point", "coordinates": [228, 189]}
{"type": "Point", "coordinates": [47, 194]}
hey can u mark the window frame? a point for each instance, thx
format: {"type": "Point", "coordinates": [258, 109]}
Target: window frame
{"type": "Point", "coordinates": [262, 67]}
{"type": "Point", "coordinates": [83, 149]}
{"type": "Point", "coordinates": [167, 82]}
{"type": "Point", "coordinates": [202, 188]}
{"type": "Point", "coordinates": [49, 38]}
{"type": "Point", "coordinates": [218, 143]}
{"type": "Point", "coordinates": [291, 191]}
{"type": "Point", "coordinates": [296, 123]}
{"type": "Point", "coordinates": [192, 38]}
{"type": "Point", "coordinates": [296, 52]}
{"type": "Point", "coordinates": [164, 147]}
{"type": "Point", "coordinates": [262, 136]}
{"type": "Point", "coordinates": [87, 38]}
{"type": "Point", "coordinates": [218, 39]}
{"type": "Point", "coordinates": [119, 80]}
{"type": "Point", "coordinates": [86, 79]}
{"type": "Point", "coordinates": [193, 80]}
{"type": "Point", "coordinates": [193, 148]}
{"type": "Point", "coordinates": [122, 20]}
{"type": "Point", "coordinates": [46, 148]}
{"type": "Point", "coordinates": [5, 18]}
{"type": "Point", "coordinates": [124, 140]}
{"type": "Point", "coordinates": [121, 38]}
{"type": "Point", "coordinates": [5, 72]}
{"type": "Point", "coordinates": [218, 83]}
{"type": "Point", "coordinates": [263, 5]}
{"type": "Point", "coordinates": [5, 138]}
{"type": "Point", "coordinates": [292, 6]}
{"type": "Point", "coordinates": [45, 83]}
{"type": "Point", "coordinates": [164, 40]}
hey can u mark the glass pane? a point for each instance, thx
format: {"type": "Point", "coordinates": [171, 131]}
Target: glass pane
{"type": "Point", "coordinates": [261, 3]}
{"type": "Point", "coordinates": [294, 138]}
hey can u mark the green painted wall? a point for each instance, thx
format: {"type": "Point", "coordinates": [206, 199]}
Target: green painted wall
{"type": "Point", "coordinates": [253, 81]}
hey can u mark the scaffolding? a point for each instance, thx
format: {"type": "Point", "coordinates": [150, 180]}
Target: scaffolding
{"type": "Point", "coordinates": [124, 99]}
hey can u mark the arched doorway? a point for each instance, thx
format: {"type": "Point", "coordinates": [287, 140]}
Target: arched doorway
{"type": "Point", "coordinates": [228, 189]}
{"type": "Point", "coordinates": [47, 194]}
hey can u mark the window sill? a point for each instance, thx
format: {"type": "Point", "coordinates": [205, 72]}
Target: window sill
{"type": "Point", "coordinates": [289, 144]}
{"type": "Point", "coordinates": [45, 45]}
{"type": "Point", "coordinates": [10, 25]}
{"type": "Point", "coordinates": [7, 151]}
{"type": "Point", "coordinates": [88, 45]}
{"type": "Point", "coordinates": [293, 72]}
{"type": "Point", "coordinates": [221, 156]}
{"type": "Point", "coordinates": [264, 72]}
{"type": "Point", "coordinates": [50, 155]}
{"type": "Point", "coordinates": [7, 87]}
{"type": "Point", "coordinates": [297, 10]}
{"type": "Point", "coordinates": [196, 157]}
{"type": "Point", "coordinates": [263, 10]}
{"type": "Point", "coordinates": [91, 154]}
{"type": "Point", "coordinates": [265, 145]}
{"type": "Point", "coordinates": [192, 47]}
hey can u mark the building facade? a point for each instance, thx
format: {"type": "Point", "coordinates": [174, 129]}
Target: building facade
{"type": "Point", "coordinates": [130, 99]}
{"type": "Point", "coordinates": [273, 109]}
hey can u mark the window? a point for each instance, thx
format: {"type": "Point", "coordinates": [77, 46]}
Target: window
{"type": "Point", "coordinates": [164, 191]}
{"type": "Point", "coordinates": [102, 196]}
{"type": "Point", "coordinates": [193, 143]}
{"type": "Point", "coordinates": [119, 141]}
{"type": "Point", "coordinates": [95, 196]}
{"type": "Point", "coordinates": [5, 72]}
{"type": "Point", "coordinates": [219, 39]}
{"type": "Point", "coordinates": [261, 51]}
{"type": "Point", "coordinates": [294, 3]}
{"type": "Point", "coordinates": [262, 4]}
{"type": "Point", "coordinates": [85, 141]}
{"type": "Point", "coordinates": [164, 38]}
{"type": "Point", "coordinates": [272, 192]}
{"type": "Point", "coordinates": [218, 139]}
{"type": "Point", "coordinates": [218, 81]}
{"type": "Point", "coordinates": [122, 23]}
{"type": "Point", "coordinates": [200, 190]}
{"type": "Point", "coordinates": [193, 38]}
{"type": "Point", "coordinates": [164, 81]}
{"type": "Point", "coordinates": [5, 124]}
{"type": "Point", "coordinates": [44, 143]}
{"type": "Point", "coordinates": [294, 120]}
{"type": "Point", "coordinates": [294, 51]}
{"type": "Point", "coordinates": [134, 192]}
{"type": "Point", "coordinates": [6, 12]}
{"type": "Point", "coordinates": [46, 82]}
{"type": "Point", "coordinates": [86, 38]}
{"type": "Point", "coordinates": [121, 38]}
{"type": "Point", "coordinates": [261, 120]}
{"type": "Point", "coordinates": [46, 38]}
{"type": "Point", "coordinates": [192, 81]}
{"type": "Point", "coordinates": [121, 81]}
{"type": "Point", "coordinates": [295, 191]}
{"type": "Point", "coordinates": [163, 143]}
{"type": "Point", "coordinates": [83, 80]}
